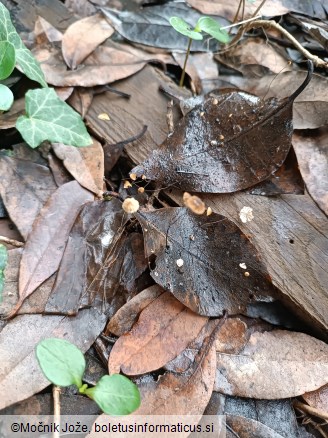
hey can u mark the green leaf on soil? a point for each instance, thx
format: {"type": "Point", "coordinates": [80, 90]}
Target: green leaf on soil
{"type": "Point", "coordinates": [212, 27]}
{"type": "Point", "coordinates": [24, 58]}
{"type": "Point", "coordinates": [7, 59]}
{"type": "Point", "coordinates": [61, 362]}
{"type": "Point", "coordinates": [49, 118]}
{"type": "Point", "coordinates": [184, 28]}
{"type": "Point", "coordinates": [6, 98]}
{"type": "Point", "coordinates": [115, 395]}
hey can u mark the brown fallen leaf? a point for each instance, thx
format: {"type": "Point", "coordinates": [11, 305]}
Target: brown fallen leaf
{"type": "Point", "coordinates": [8, 118]}
{"type": "Point", "coordinates": [127, 315]}
{"type": "Point", "coordinates": [272, 365]}
{"type": "Point", "coordinates": [24, 190]}
{"type": "Point", "coordinates": [164, 328]}
{"type": "Point", "coordinates": [81, 99]}
{"type": "Point", "coordinates": [255, 57]}
{"type": "Point", "coordinates": [46, 243]}
{"type": "Point", "coordinates": [86, 165]}
{"type": "Point", "coordinates": [83, 37]}
{"type": "Point", "coordinates": [198, 257]}
{"type": "Point", "coordinates": [64, 92]}
{"type": "Point", "coordinates": [229, 142]}
{"type": "Point", "coordinates": [248, 428]}
{"type": "Point", "coordinates": [36, 302]}
{"type": "Point", "coordinates": [318, 399]}
{"type": "Point", "coordinates": [20, 370]}
{"type": "Point", "coordinates": [44, 32]}
{"type": "Point", "coordinates": [82, 8]}
{"type": "Point", "coordinates": [311, 148]}
{"type": "Point", "coordinates": [108, 63]}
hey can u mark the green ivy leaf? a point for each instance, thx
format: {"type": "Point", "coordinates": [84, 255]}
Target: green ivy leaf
{"type": "Point", "coordinates": [6, 98]}
{"type": "Point", "coordinates": [24, 57]}
{"type": "Point", "coordinates": [115, 395]}
{"type": "Point", "coordinates": [61, 362]}
{"type": "Point", "coordinates": [7, 59]}
{"type": "Point", "coordinates": [184, 28]}
{"type": "Point", "coordinates": [3, 263]}
{"type": "Point", "coordinates": [49, 118]}
{"type": "Point", "coordinates": [212, 27]}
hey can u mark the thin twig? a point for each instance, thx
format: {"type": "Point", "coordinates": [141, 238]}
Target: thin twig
{"type": "Point", "coordinates": [169, 116]}
{"type": "Point", "coordinates": [258, 9]}
{"type": "Point", "coordinates": [310, 410]}
{"type": "Point", "coordinates": [241, 22]}
{"type": "Point", "coordinates": [56, 398]}
{"type": "Point", "coordinates": [12, 242]}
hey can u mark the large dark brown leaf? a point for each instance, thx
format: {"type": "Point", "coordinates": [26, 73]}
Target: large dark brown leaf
{"type": "Point", "coordinates": [45, 246]}
{"type": "Point", "coordinates": [231, 141]}
{"type": "Point", "coordinates": [198, 259]}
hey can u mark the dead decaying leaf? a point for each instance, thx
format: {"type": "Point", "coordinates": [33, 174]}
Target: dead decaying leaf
{"type": "Point", "coordinates": [127, 315]}
{"type": "Point", "coordinates": [24, 190]}
{"type": "Point", "coordinates": [76, 47]}
{"type": "Point", "coordinates": [46, 243]}
{"type": "Point", "coordinates": [8, 118]}
{"type": "Point", "coordinates": [108, 63]}
{"type": "Point", "coordinates": [82, 8]}
{"type": "Point", "coordinates": [310, 108]}
{"type": "Point", "coordinates": [81, 99]}
{"type": "Point", "coordinates": [211, 248]}
{"type": "Point", "coordinates": [269, 8]}
{"type": "Point", "coordinates": [20, 370]}
{"type": "Point", "coordinates": [272, 365]}
{"type": "Point", "coordinates": [45, 32]}
{"type": "Point", "coordinates": [318, 398]}
{"type": "Point", "coordinates": [36, 302]}
{"type": "Point", "coordinates": [255, 57]}
{"type": "Point", "coordinates": [231, 141]}
{"type": "Point", "coordinates": [311, 148]}
{"type": "Point", "coordinates": [276, 415]}
{"type": "Point", "coordinates": [164, 328]}
{"type": "Point", "coordinates": [248, 428]}
{"type": "Point", "coordinates": [85, 164]}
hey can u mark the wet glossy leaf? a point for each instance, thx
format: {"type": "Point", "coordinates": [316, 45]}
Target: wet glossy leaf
{"type": "Point", "coordinates": [209, 279]}
{"type": "Point", "coordinates": [6, 98]}
{"type": "Point", "coordinates": [213, 28]}
{"type": "Point", "coordinates": [152, 341]}
{"type": "Point", "coordinates": [115, 394]}
{"type": "Point", "coordinates": [184, 28]}
{"type": "Point", "coordinates": [151, 26]}
{"type": "Point", "coordinates": [231, 141]}
{"type": "Point", "coordinates": [7, 59]}
{"type": "Point", "coordinates": [61, 362]}
{"type": "Point", "coordinates": [49, 118]}
{"type": "Point", "coordinates": [24, 58]}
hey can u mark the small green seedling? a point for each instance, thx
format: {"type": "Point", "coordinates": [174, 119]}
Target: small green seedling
{"type": "Point", "coordinates": [47, 116]}
{"type": "Point", "coordinates": [3, 263]}
{"type": "Point", "coordinates": [63, 364]}
{"type": "Point", "coordinates": [204, 24]}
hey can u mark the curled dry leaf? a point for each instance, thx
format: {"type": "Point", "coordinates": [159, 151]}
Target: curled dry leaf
{"type": "Point", "coordinates": [272, 365]}
{"type": "Point", "coordinates": [86, 164]}
{"type": "Point", "coordinates": [164, 328]}
{"type": "Point", "coordinates": [20, 370]}
{"type": "Point", "coordinates": [24, 190]}
{"type": "Point", "coordinates": [211, 247]}
{"type": "Point", "coordinates": [311, 148]}
{"type": "Point", "coordinates": [127, 315]}
{"type": "Point", "coordinates": [83, 37]}
{"type": "Point", "coordinates": [46, 243]}
{"type": "Point", "coordinates": [231, 141]}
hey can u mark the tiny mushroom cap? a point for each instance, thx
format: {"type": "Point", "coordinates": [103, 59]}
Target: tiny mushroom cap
{"type": "Point", "coordinates": [194, 203]}
{"type": "Point", "coordinates": [246, 214]}
{"type": "Point", "coordinates": [130, 205]}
